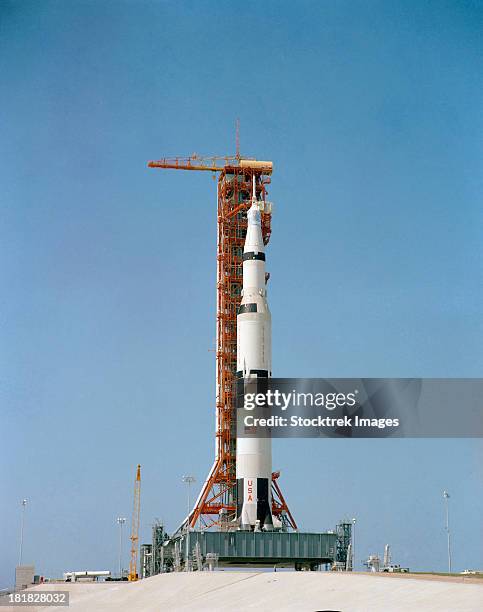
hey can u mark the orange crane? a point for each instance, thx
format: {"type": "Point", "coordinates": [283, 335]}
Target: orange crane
{"type": "Point", "coordinates": [211, 164]}
{"type": "Point", "coordinates": [133, 564]}
{"type": "Point", "coordinates": [194, 162]}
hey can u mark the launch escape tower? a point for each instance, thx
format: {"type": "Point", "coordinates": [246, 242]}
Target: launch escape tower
{"type": "Point", "coordinates": [216, 503]}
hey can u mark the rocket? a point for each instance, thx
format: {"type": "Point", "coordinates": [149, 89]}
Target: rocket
{"type": "Point", "coordinates": [254, 360]}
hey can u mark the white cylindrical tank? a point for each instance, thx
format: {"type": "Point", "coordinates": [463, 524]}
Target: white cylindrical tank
{"type": "Point", "coordinates": [257, 164]}
{"type": "Point", "coordinates": [254, 360]}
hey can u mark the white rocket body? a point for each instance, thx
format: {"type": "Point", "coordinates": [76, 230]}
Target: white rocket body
{"type": "Point", "coordinates": [254, 360]}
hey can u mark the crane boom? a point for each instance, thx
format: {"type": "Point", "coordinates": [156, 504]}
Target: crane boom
{"type": "Point", "coordinates": [194, 162]}
{"type": "Point", "coordinates": [210, 164]}
{"type": "Point", "coordinates": [133, 564]}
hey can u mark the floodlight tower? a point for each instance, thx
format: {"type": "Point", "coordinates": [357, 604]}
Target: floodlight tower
{"type": "Point", "coordinates": [446, 498]}
{"type": "Point", "coordinates": [22, 523]}
{"type": "Point", "coordinates": [120, 521]}
{"type": "Point", "coordinates": [189, 481]}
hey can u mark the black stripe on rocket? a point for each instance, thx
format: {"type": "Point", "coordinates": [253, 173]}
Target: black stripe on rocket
{"type": "Point", "coordinates": [257, 373]}
{"type": "Point", "coordinates": [252, 255]}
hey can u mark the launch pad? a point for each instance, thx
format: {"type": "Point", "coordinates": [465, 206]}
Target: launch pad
{"type": "Point", "coordinates": [208, 549]}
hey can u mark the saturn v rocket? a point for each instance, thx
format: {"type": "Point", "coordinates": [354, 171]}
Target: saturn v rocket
{"type": "Point", "coordinates": [254, 360]}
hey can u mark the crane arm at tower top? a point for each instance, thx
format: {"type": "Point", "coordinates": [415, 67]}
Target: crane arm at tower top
{"type": "Point", "coordinates": [211, 164]}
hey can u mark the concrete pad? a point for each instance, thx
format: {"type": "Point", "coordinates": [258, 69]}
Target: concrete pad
{"type": "Point", "coordinates": [268, 591]}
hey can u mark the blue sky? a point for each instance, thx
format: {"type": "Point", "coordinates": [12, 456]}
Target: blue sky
{"type": "Point", "coordinates": [371, 112]}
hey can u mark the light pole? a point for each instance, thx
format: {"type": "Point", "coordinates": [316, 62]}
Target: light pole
{"type": "Point", "coordinates": [188, 480]}
{"type": "Point", "coordinates": [22, 521]}
{"type": "Point", "coordinates": [120, 520]}
{"type": "Point", "coordinates": [446, 498]}
{"type": "Point", "coordinates": [353, 542]}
